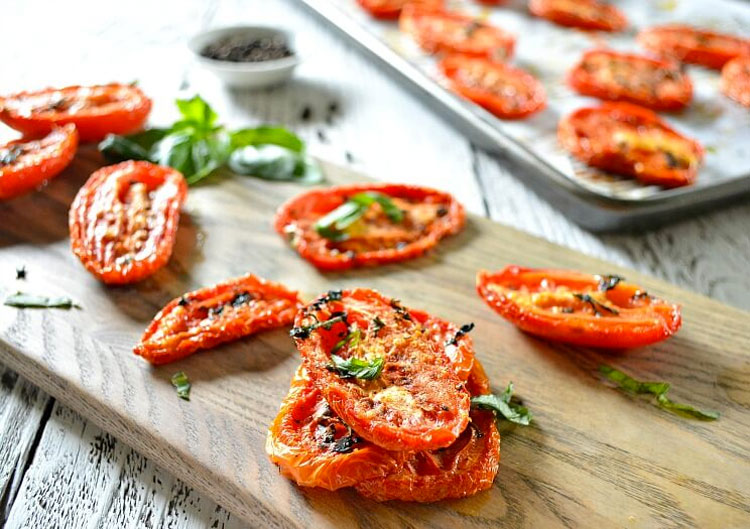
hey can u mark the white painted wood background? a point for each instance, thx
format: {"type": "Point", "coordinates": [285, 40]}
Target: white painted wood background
{"type": "Point", "coordinates": [57, 469]}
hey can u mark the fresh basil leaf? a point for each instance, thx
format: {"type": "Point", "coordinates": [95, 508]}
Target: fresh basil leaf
{"type": "Point", "coordinates": [182, 385]}
{"type": "Point", "coordinates": [267, 135]}
{"type": "Point", "coordinates": [659, 390]}
{"type": "Point", "coordinates": [132, 147]}
{"type": "Point", "coordinates": [195, 111]}
{"type": "Point", "coordinates": [174, 150]}
{"type": "Point", "coordinates": [32, 301]}
{"type": "Point", "coordinates": [356, 367]}
{"type": "Point", "coordinates": [308, 171]}
{"type": "Point", "coordinates": [503, 406]}
{"type": "Point", "coordinates": [332, 225]}
{"type": "Point", "coordinates": [269, 162]}
{"type": "Point", "coordinates": [207, 155]}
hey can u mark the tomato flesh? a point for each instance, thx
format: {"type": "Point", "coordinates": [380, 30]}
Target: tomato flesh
{"type": "Point", "coordinates": [688, 44]}
{"type": "Point", "coordinates": [26, 164]}
{"type": "Point", "coordinates": [735, 80]}
{"type": "Point", "coordinates": [583, 14]}
{"type": "Point", "coordinates": [124, 219]}
{"type": "Point", "coordinates": [632, 141]}
{"type": "Point", "coordinates": [615, 76]}
{"type": "Point", "coordinates": [391, 9]}
{"type": "Point", "coordinates": [578, 308]}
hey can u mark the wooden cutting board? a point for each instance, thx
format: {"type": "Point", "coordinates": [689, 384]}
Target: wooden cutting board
{"type": "Point", "coordinates": [594, 457]}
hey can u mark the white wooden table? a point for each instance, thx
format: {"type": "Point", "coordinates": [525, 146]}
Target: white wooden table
{"type": "Point", "coordinates": [59, 470]}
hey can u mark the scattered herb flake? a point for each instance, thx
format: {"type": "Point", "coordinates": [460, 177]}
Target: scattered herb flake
{"type": "Point", "coordinates": [597, 306]}
{"type": "Point", "coordinates": [32, 301]}
{"type": "Point", "coordinates": [356, 367]}
{"type": "Point", "coordinates": [464, 330]}
{"type": "Point", "coordinates": [609, 282]}
{"type": "Point", "coordinates": [503, 406]}
{"type": "Point", "coordinates": [21, 272]}
{"type": "Point", "coordinates": [304, 332]}
{"type": "Point", "coordinates": [377, 324]}
{"type": "Point", "coordinates": [182, 385]}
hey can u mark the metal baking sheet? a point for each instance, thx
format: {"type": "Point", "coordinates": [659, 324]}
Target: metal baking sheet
{"type": "Point", "coordinates": [594, 199]}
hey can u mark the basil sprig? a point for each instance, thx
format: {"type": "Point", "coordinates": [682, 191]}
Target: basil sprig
{"type": "Point", "coordinates": [333, 225]}
{"type": "Point", "coordinates": [659, 390]}
{"type": "Point", "coordinates": [32, 301]}
{"type": "Point", "coordinates": [503, 406]}
{"type": "Point", "coordinates": [182, 385]}
{"type": "Point", "coordinates": [356, 367]}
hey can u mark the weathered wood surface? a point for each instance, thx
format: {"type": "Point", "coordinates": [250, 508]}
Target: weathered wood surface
{"type": "Point", "coordinates": [382, 129]}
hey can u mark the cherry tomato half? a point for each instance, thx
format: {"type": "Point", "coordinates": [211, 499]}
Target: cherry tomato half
{"type": "Point", "coordinates": [374, 239]}
{"type": "Point", "coordinates": [688, 44]}
{"type": "Point", "coordinates": [735, 80]}
{"type": "Point", "coordinates": [506, 91]}
{"type": "Point", "coordinates": [124, 219]}
{"type": "Point", "coordinates": [95, 110]}
{"type": "Point", "coordinates": [633, 141]}
{"type": "Point", "coordinates": [416, 401]}
{"type": "Point", "coordinates": [214, 315]}
{"type": "Point", "coordinates": [616, 76]}
{"type": "Point", "coordinates": [440, 31]}
{"type": "Point", "coordinates": [578, 308]}
{"type": "Point", "coordinates": [391, 9]}
{"type": "Point", "coordinates": [584, 14]}
{"type": "Point", "coordinates": [26, 164]}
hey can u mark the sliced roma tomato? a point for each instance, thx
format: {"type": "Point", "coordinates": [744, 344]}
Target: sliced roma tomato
{"type": "Point", "coordinates": [440, 31]}
{"type": "Point", "coordinates": [735, 80]}
{"type": "Point", "coordinates": [506, 91]}
{"type": "Point", "coordinates": [584, 14]}
{"type": "Point", "coordinates": [633, 141]}
{"type": "Point", "coordinates": [391, 9]}
{"type": "Point", "coordinates": [214, 315]}
{"type": "Point", "coordinates": [26, 164]}
{"type": "Point", "coordinates": [416, 402]}
{"type": "Point", "coordinates": [315, 448]}
{"type": "Point", "coordinates": [124, 219]}
{"type": "Point", "coordinates": [374, 239]}
{"type": "Point", "coordinates": [95, 110]}
{"type": "Point", "coordinates": [466, 467]}
{"type": "Point", "coordinates": [578, 308]}
{"type": "Point", "coordinates": [616, 76]}
{"type": "Point", "coordinates": [688, 44]}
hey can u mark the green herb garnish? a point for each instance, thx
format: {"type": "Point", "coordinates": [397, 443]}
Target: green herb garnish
{"type": "Point", "coordinates": [659, 390]}
{"type": "Point", "coordinates": [376, 325]}
{"type": "Point", "coordinates": [333, 225]}
{"type": "Point", "coordinates": [596, 306]}
{"type": "Point", "coordinates": [609, 282]}
{"type": "Point", "coordinates": [352, 340]}
{"type": "Point", "coordinates": [182, 384]}
{"type": "Point", "coordinates": [32, 301]}
{"type": "Point", "coordinates": [356, 367]}
{"type": "Point", "coordinates": [304, 332]}
{"type": "Point", "coordinates": [503, 406]}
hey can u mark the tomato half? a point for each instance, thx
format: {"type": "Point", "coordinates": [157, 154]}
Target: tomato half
{"type": "Point", "coordinates": [391, 9]}
{"type": "Point", "coordinates": [584, 14]}
{"type": "Point", "coordinates": [440, 31]}
{"type": "Point", "coordinates": [374, 239]}
{"type": "Point", "coordinates": [632, 141]}
{"type": "Point", "coordinates": [417, 402]}
{"type": "Point", "coordinates": [506, 91]}
{"type": "Point", "coordinates": [214, 315]}
{"type": "Point", "coordinates": [124, 219]}
{"type": "Point", "coordinates": [26, 164]}
{"type": "Point", "coordinates": [688, 44]}
{"type": "Point", "coordinates": [616, 76]}
{"type": "Point", "coordinates": [95, 110]}
{"type": "Point", "coordinates": [578, 308]}
{"type": "Point", "coordinates": [735, 80]}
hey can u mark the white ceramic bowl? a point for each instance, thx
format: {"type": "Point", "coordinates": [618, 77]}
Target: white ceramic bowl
{"type": "Point", "coordinates": [245, 74]}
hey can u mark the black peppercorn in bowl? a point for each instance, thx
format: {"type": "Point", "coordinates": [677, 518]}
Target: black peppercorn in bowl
{"type": "Point", "coordinates": [246, 56]}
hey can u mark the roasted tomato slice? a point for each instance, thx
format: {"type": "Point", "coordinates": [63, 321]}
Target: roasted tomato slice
{"type": "Point", "coordinates": [578, 308]}
{"type": "Point", "coordinates": [506, 91]}
{"type": "Point", "coordinates": [214, 315]}
{"type": "Point", "coordinates": [616, 76]}
{"type": "Point", "coordinates": [440, 31]}
{"type": "Point", "coordinates": [95, 110]}
{"type": "Point", "coordinates": [374, 239]}
{"type": "Point", "coordinates": [26, 164]}
{"type": "Point", "coordinates": [391, 9]}
{"type": "Point", "coordinates": [315, 448]}
{"type": "Point", "coordinates": [584, 14]}
{"type": "Point", "coordinates": [735, 80]}
{"type": "Point", "coordinates": [466, 467]}
{"type": "Point", "coordinates": [124, 219]}
{"type": "Point", "coordinates": [688, 44]}
{"type": "Point", "coordinates": [415, 400]}
{"type": "Point", "coordinates": [633, 141]}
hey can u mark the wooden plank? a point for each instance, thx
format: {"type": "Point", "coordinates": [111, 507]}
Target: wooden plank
{"type": "Point", "coordinates": [595, 457]}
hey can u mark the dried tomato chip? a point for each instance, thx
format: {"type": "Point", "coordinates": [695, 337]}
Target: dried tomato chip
{"type": "Point", "coordinates": [583, 14]}
{"type": "Point", "coordinates": [26, 164]}
{"type": "Point", "coordinates": [735, 80]}
{"type": "Point", "coordinates": [693, 45]}
{"type": "Point", "coordinates": [210, 316]}
{"type": "Point", "coordinates": [124, 219]}
{"type": "Point", "coordinates": [391, 9]}
{"type": "Point", "coordinates": [578, 308]}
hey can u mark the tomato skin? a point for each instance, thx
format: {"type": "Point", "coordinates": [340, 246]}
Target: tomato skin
{"type": "Point", "coordinates": [391, 9]}
{"type": "Point", "coordinates": [467, 73]}
{"type": "Point", "coordinates": [41, 160]}
{"type": "Point", "coordinates": [735, 80]}
{"type": "Point", "coordinates": [210, 316]}
{"type": "Point", "coordinates": [641, 319]}
{"type": "Point", "coordinates": [296, 218]}
{"type": "Point", "coordinates": [107, 109]}
{"type": "Point", "coordinates": [662, 87]}
{"type": "Point", "coordinates": [688, 44]}
{"type": "Point", "coordinates": [590, 135]}
{"type": "Point", "coordinates": [583, 14]}
{"type": "Point", "coordinates": [441, 31]}
{"type": "Point", "coordinates": [107, 218]}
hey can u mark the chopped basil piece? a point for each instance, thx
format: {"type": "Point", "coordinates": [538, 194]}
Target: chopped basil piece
{"type": "Point", "coordinates": [352, 340]}
{"type": "Point", "coordinates": [333, 225]}
{"type": "Point", "coordinates": [356, 367]}
{"type": "Point", "coordinates": [609, 282]}
{"type": "Point", "coordinates": [503, 406]}
{"type": "Point", "coordinates": [597, 306]}
{"type": "Point", "coordinates": [32, 301]}
{"type": "Point", "coordinates": [659, 390]}
{"type": "Point", "coordinates": [182, 384]}
{"type": "Point", "coordinates": [304, 332]}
